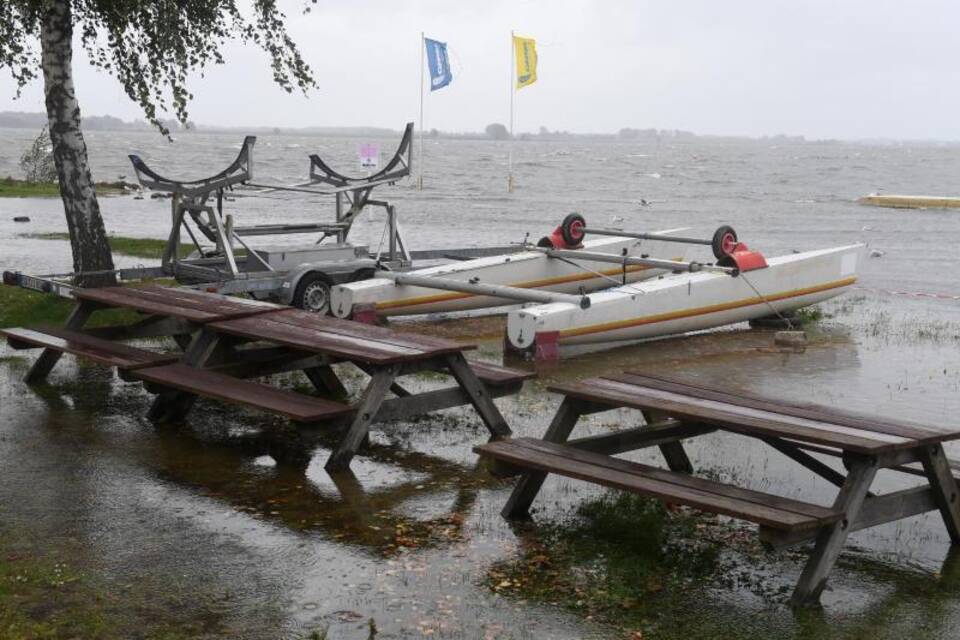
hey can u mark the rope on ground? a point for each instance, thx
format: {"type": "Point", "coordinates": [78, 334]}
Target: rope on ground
{"type": "Point", "coordinates": [768, 303]}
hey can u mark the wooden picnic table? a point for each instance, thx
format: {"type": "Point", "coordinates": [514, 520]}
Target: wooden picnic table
{"type": "Point", "coordinates": [674, 411]}
{"type": "Point", "coordinates": [228, 340]}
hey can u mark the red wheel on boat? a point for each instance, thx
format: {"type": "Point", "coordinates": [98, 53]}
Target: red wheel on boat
{"type": "Point", "coordinates": [724, 241]}
{"type": "Point", "coordinates": [572, 229]}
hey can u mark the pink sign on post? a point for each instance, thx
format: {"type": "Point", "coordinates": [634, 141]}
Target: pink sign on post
{"type": "Point", "coordinates": [369, 155]}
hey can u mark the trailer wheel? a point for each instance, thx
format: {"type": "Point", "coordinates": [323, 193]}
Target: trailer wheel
{"type": "Point", "coordinates": [724, 241]}
{"type": "Point", "coordinates": [572, 229]}
{"type": "Point", "coordinates": [362, 274]}
{"type": "Point", "coordinates": [313, 293]}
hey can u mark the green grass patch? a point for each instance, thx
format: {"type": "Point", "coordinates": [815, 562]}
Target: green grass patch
{"type": "Point", "coordinates": [22, 307]}
{"type": "Point", "coordinates": [150, 248]}
{"type": "Point", "coordinates": [14, 188]}
{"type": "Point", "coordinates": [808, 315]}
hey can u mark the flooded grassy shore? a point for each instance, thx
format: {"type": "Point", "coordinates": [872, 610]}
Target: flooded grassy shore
{"type": "Point", "coordinates": [115, 529]}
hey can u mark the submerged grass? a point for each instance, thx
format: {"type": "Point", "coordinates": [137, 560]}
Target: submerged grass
{"type": "Point", "coordinates": [650, 572]}
{"type": "Point", "coordinates": [622, 560]}
{"type": "Point", "coordinates": [43, 595]}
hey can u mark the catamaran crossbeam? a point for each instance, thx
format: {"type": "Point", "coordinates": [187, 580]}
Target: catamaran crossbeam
{"type": "Point", "coordinates": [475, 287]}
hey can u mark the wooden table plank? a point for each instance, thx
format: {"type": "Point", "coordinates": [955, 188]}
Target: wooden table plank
{"type": "Point", "coordinates": [730, 418]}
{"type": "Point", "coordinates": [923, 434]}
{"type": "Point", "coordinates": [196, 307]}
{"type": "Point", "coordinates": [328, 324]}
{"type": "Point", "coordinates": [307, 339]}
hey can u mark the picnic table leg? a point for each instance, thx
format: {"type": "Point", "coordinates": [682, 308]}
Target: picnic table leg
{"type": "Point", "coordinates": [326, 381]}
{"type": "Point", "coordinates": [173, 405]}
{"type": "Point", "coordinates": [367, 410]}
{"type": "Point", "coordinates": [673, 452]}
{"type": "Point", "coordinates": [831, 539]}
{"type": "Point", "coordinates": [530, 483]}
{"type": "Point", "coordinates": [395, 388]}
{"type": "Point", "coordinates": [944, 486]}
{"type": "Point", "coordinates": [49, 357]}
{"type": "Point", "coordinates": [477, 392]}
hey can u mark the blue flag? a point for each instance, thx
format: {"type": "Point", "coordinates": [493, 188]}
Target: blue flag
{"type": "Point", "coordinates": [438, 63]}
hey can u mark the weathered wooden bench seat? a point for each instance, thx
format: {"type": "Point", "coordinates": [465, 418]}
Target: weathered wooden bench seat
{"type": "Point", "coordinates": [679, 488]}
{"type": "Point", "coordinates": [210, 384]}
{"type": "Point", "coordinates": [494, 375]}
{"type": "Point", "coordinates": [99, 350]}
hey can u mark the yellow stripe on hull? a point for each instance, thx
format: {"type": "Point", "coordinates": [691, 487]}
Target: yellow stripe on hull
{"type": "Point", "coordinates": [700, 311]}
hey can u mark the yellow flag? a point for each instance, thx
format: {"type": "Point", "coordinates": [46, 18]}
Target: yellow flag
{"type": "Point", "coordinates": [525, 52]}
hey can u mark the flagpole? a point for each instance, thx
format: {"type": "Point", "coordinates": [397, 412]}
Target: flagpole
{"type": "Point", "coordinates": [512, 91]}
{"type": "Point", "coordinates": [420, 165]}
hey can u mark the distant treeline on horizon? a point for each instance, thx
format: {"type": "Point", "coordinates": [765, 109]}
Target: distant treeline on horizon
{"type": "Point", "coordinates": [494, 131]}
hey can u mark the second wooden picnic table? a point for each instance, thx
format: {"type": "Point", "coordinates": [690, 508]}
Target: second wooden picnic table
{"type": "Point", "coordinates": [227, 340]}
{"type": "Point", "coordinates": [674, 411]}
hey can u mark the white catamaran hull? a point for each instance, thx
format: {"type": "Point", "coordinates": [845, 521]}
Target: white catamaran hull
{"type": "Point", "coordinates": [527, 269]}
{"type": "Point", "coordinates": [690, 302]}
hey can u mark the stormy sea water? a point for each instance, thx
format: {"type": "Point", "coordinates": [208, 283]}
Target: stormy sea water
{"type": "Point", "coordinates": [779, 195]}
{"type": "Point", "coordinates": [200, 528]}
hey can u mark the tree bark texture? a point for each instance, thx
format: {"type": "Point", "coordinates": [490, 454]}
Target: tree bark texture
{"type": "Point", "coordinates": [88, 236]}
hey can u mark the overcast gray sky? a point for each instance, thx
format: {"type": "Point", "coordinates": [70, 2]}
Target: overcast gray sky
{"type": "Point", "coordinates": [846, 69]}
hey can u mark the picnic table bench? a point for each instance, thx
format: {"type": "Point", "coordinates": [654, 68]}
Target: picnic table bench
{"type": "Point", "coordinates": [226, 341]}
{"type": "Point", "coordinates": [675, 411]}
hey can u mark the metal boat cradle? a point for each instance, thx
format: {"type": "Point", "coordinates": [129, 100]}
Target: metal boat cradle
{"type": "Point", "coordinates": [201, 201]}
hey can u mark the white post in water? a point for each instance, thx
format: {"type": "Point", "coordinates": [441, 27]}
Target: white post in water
{"type": "Point", "coordinates": [512, 91]}
{"type": "Point", "coordinates": [420, 165]}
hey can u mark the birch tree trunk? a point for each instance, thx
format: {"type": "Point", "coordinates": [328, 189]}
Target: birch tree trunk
{"type": "Point", "coordinates": [88, 237]}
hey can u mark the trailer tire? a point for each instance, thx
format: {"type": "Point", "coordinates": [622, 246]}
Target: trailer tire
{"type": "Point", "coordinates": [362, 274]}
{"type": "Point", "coordinates": [724, 241]}
{"type": "Point", "coordinates": [572, 229]}
{"type": "Point", "coordinates": [313, 293]}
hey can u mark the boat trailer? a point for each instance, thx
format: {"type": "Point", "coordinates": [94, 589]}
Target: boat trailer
{"type": "Point", "coordinates": [299, 275]}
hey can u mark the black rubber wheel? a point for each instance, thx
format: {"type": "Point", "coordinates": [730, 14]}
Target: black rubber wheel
{"type": "Point", "coordinates": [313, 293]}
{"type": "Point", "coordinates": [724, 241]}
{"type": "Point", "coordinates": [572, 229]}
{"type": "Point", "coordinates": [362, 274]}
